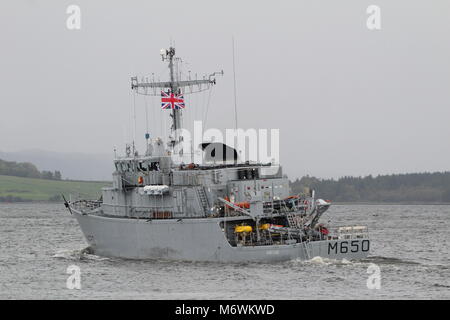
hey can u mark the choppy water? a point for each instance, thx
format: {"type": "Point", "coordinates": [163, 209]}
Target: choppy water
{"type": "Point", "coordinates": [409, 244]}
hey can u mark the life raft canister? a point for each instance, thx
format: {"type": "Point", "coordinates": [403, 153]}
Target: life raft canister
{"type": "Point", "coordinates": [264, 226]}
{"type": "Point", "coordinates": [267, 226]}
{"type": "Point", "coordinates": [241, 229]}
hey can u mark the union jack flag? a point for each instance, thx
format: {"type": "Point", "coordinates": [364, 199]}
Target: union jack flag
{"type": "Point", "coordinates": [170, 100]}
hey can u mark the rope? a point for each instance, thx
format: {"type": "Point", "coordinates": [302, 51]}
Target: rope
{"type": "Point", "coordinates": [154, 122]}
{"type": "Point", "coordinates": [146, 113]}
{"type": "Point", "coordinates": [134, 117]}
{"type": "Point", "coordinates": [207, 107]}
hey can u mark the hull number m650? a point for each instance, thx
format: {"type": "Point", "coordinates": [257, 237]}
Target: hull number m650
{"type": "Point", "coordinates": [348, 246]}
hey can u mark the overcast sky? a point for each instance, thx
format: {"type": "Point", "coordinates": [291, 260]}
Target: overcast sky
{"type": "Point", "coordinates": [348, 101]}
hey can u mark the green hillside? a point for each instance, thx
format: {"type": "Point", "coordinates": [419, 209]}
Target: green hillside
{"type": "Point", "coordinates": [31, 189]}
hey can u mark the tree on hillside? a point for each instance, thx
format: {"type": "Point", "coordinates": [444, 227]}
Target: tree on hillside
{"type": "Point", "coordinates": [57, 175]}
{"type": "Point", "coordinates": [25, 169]}
{"type": "Point", "coordinates": [47, 175]}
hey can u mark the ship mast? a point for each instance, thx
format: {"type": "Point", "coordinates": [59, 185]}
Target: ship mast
{"type": "Point", "coordinates": [176, 113]}
{"type": "Point", "coordinates": [175, 85]}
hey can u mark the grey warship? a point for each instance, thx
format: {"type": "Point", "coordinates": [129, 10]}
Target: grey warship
{"type": "Point", "coordinates": [222, 209]}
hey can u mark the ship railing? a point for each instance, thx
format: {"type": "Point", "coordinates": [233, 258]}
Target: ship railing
{"type": "Point", "coordinates": [139, 207]}
{"type": "Point", "coordinates": [282, 210]}
{"type": "Point", "coordinates": [287, 205]}
{"type": "Point", "coordinates": [349, 232]}
{"type": "Point", "coordinates": [86, 205]}
{"type": "Point", "coordinates": [136, 211]}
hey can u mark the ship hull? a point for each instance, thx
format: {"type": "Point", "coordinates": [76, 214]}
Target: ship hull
{"type": "Point", "coordinates": [198, 240]}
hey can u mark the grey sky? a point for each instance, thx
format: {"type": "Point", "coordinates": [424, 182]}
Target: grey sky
{"type": "Point", "coordinates": [348, 101]}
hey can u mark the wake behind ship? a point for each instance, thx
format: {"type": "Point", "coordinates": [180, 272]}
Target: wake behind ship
{"type": "Point", "coordinates": [220, 209]}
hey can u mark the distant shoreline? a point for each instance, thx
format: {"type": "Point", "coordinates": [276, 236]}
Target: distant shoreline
{"type": "Point", "coordinates": [413, 189]}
